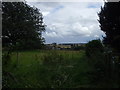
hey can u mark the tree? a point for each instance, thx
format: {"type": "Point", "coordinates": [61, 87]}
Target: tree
{"type": "Point", "coordinates": [22, 25]}
{"type": "Point", "coordinates": [109, 19]}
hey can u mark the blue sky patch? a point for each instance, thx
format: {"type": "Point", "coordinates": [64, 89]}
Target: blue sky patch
{"type": "Point", "coordinates": [57, 9]}
{"type": "Point", "coordinates": [94, 5]}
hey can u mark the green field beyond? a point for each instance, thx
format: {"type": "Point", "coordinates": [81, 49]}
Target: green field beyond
{"type": "Point", "coordinates": [37, 69]}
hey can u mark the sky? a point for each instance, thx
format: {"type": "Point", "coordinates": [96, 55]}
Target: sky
{"type": "Point", "coordinates": [70, 22]}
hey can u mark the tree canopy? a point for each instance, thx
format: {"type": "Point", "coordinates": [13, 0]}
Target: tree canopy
{"type": "Point", "coordinates": [93, 47]}
{"type": "Point", "coordinates": [109, 19]}
{"type": "Point", "coordinates": [22, 25]}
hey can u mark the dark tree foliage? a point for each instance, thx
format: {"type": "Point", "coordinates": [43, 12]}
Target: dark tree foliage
{"type": "Point", "coordinates": [93, 47]}
{"type": "Point", "coordinates": [22, 26]}
{"type": "Point", "coordinates": [95, 55]}
{"type": "Point", "coordinates": [109, 19]}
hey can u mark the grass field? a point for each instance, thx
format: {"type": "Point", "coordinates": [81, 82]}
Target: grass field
{"type": "Point", "coordinates": [53, 69]}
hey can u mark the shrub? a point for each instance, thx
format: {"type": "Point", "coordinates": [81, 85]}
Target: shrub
{"type": "Point", "coordinates": [93, 47]}
{"type": "Point", "coordinates": [94, 52]}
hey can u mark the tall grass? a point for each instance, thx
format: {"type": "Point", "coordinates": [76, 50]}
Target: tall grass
{"type": "Point", "coordinates": [53, 69]}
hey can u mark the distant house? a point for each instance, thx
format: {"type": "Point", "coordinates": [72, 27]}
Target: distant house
{"type": "Point", "coordinates": [63, 46]}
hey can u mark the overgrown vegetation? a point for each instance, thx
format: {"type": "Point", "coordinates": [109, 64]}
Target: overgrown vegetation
{"type": "Point", "coordinates": [95, 65]}
{"type": "Point", "coordinates": [109, 19]}
{"type": "Point", "coordinates": [103, 63]}
{"type": "Point", "coordinates": [58, 69]}
{"type": "Point", "coordinates": [53, 69]}
{"type": "Point", "coordinates": [94, 47]}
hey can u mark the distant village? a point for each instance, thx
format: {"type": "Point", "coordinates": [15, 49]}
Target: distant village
{"type": "Point", "coordinates": [65, 46]}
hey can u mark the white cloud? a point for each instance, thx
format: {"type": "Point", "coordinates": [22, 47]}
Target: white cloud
{"type": "Point", "coordinates": [96, 36]}
{"type": "Point", "coordinates": [75, 22]}
{"type": "Point", "coordinates": [52, 34]}
{"type": "Point", "coordinates": [45, 13]}
{"type": "Point", "coordinates": [82, 30]}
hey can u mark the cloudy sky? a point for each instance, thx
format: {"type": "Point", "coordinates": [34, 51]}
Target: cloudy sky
{"type": "Point", "coordinates": [70, 22]}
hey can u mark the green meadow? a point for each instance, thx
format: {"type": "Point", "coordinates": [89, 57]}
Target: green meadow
{"type": "Point", "coordinates": [53, 69]}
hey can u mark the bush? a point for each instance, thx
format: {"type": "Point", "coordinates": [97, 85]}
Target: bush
{"type": "Point", "coordinates": [93, 47]}
{"type": "Point", "coordinates": [94, 52]}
